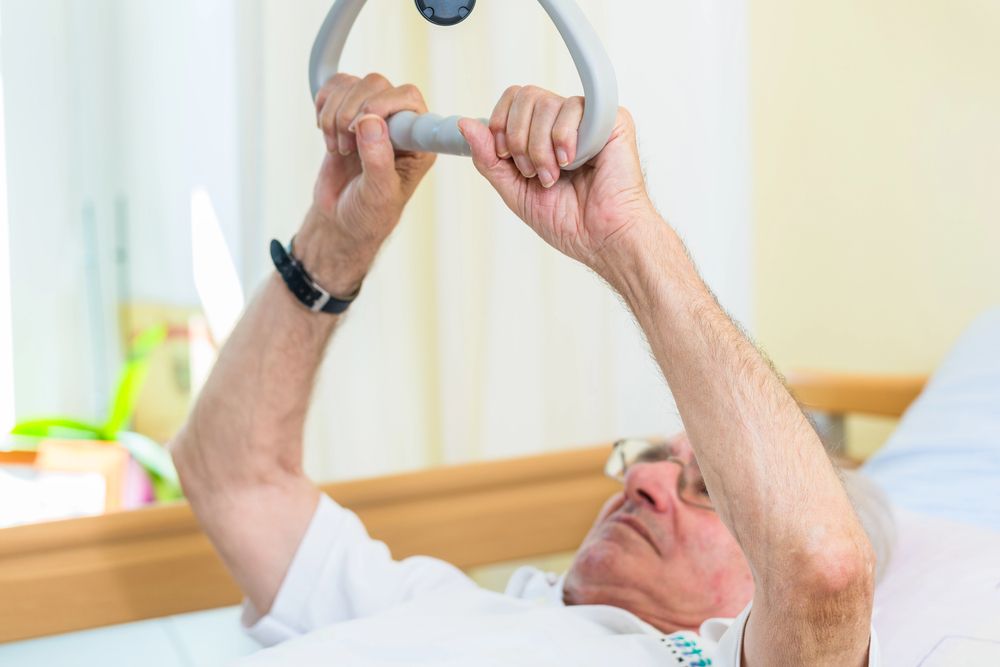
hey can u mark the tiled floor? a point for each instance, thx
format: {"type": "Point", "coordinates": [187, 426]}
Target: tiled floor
{"type": "Point", "coordinates": [203, 639]}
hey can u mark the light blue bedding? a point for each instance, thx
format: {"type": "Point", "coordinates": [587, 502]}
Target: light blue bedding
{"type": "Point", "coordinates": [944, 459]}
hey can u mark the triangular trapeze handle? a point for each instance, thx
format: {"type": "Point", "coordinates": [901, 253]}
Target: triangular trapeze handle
{"type": "Point", "coordinates": [435, 134]}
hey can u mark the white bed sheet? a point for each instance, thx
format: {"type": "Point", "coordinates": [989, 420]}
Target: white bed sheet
{"type": "Point", "coordinates": [202, 639]}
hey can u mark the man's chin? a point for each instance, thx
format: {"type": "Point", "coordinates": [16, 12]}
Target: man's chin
{"type": "Point", "coordinates": [600, 566]}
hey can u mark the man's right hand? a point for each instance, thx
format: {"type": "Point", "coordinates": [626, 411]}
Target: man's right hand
{"type": "Point", "coordinates": [363, 184]}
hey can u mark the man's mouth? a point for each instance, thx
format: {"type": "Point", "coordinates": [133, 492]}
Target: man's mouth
{"type": "Point", "coordinates": [637, 526]}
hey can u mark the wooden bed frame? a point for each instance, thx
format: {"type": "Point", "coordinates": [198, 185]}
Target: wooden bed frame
{"type": "Point", "coordinates": [86, 573]}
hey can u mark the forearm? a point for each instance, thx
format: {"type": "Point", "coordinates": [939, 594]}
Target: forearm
{"type": "Point", "coordinates": [247, 424]}
{"type": "Point", "coordinates": [768, 473]}
{"type": "Point", "coordinates": [240, 454]}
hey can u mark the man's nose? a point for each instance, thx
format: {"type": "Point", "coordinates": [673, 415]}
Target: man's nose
{"type": "Point", "coordinates": [653, 484]}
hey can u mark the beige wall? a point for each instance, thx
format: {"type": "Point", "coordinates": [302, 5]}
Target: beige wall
{"type": "Point", "coordinates": [876, 136]}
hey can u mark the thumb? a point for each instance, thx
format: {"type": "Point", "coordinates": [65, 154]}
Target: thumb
{"type": "Point", "coordinates": [378, 158]}
{"type": "Point", "coordinates": [502, 174]}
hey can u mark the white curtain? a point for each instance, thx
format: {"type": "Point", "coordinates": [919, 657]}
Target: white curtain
{"type": "Point", "coordinates": [472, 339]}
{"type": "Point", "coordinates": [7, 407]}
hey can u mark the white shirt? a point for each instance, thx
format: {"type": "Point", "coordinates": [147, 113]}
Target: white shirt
{"type": "Point", "coordinates": [345, 601]}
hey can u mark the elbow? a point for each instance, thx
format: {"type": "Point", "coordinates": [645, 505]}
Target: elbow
{"type": "Point", "coordinates": [184, 451]}
{"type": "Point", "coordinates": [837, 581]}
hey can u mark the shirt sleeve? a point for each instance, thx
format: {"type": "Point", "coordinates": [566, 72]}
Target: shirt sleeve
{"type": "Point", "coordinates": [730, 648]}
{"type": "Point", "coordinates": [339, 573]}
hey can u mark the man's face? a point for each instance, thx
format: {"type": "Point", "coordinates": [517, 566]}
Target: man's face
{"type": "Point", "coordinates": [668, 562]}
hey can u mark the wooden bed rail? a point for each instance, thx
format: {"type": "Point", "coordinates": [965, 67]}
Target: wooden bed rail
{"type": "Point", "coordinates": [843, 394]}
{"type": "Point", "coordinates": [86, 573]}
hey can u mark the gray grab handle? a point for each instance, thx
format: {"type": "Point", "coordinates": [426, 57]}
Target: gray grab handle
{"type": "Point", "coordinates": [427, 133]}
{"type": "Point", "coordinates": [431, 133]}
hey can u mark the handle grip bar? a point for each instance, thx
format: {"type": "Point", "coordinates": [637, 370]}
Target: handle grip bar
{"type": "Point", "coordinates": [432, 133]}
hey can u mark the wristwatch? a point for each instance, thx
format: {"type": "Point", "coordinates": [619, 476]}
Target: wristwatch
{"type": "Point", "coordinates": [301, 284]}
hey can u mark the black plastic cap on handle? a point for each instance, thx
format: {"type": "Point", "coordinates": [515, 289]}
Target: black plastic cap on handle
{"type": "Point", "coordinates": [445, 12]}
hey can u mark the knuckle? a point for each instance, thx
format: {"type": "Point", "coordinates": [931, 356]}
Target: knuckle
{"type": "Point", "coordinates": [550, 105]}
{"type": "Point", "coordinates": [343, 118]}
{"type": "Point", "coordinates": [498, 121]}
{"type": "Point", "coordinates": [328, 119]}
{"type": "Point", "coordinates": [412, 94]}
{"type": "Point", "coordinates": [540, 153]}
{"type": "Point", "coordinates": [563, 134]}
{"type": "Point", "coordinates": [511, 91]}
{"type": "Point", "coordinates": [376, 79]}
{"type": "Point", "coordinates": [341, 79]}
{"type": "Point", "coordinates": [517, 141]}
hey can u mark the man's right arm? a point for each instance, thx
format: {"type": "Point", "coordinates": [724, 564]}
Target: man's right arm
{"type": "Point", "coordinates": [240, 454]}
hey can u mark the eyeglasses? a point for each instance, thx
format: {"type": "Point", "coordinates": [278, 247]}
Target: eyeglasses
{"type": "Point", "coordinates": [690, 485]}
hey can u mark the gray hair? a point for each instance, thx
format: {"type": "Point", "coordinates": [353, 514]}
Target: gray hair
{"type": "Point", "coordinates": [873, 509]}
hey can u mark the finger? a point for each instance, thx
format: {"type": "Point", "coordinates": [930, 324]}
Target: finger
{"type": "Point", "coordinates": [394, 100]}
{"type": "Point", "coordinates": [391, 101]}
{"type": "Point", "coordinates": [566, 133]}
{"type": "Point", "coordinates": [378, 159]}
{"type": "Point", "coordinates": [498, 121]}
{"type": "Point", "coordinates": [519, 128]}
{"type": "Point", "coordinates": [326, 90]}
{"type": "Point", "coordinates": [332, 95]}
{"type": "Point", "coordinates": [351, 105]}
{"type": "Point", "coordinates": [541, 151]}
{"type": "Point", "coordinates": [502, 174]}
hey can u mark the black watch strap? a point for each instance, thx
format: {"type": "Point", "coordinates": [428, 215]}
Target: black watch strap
{"type": "Point", "coordinates": [301, 284]}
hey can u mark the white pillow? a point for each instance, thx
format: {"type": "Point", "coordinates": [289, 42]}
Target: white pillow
{"type": "Point", "coordinates": [939, 603]}
{"type": "Point", "coordinates": [944, 459]}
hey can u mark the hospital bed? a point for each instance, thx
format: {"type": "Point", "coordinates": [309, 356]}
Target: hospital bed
{"type": "Point", "coordinates": [939, 604]}
{"type": "Point", "coordinates": [106, 570]}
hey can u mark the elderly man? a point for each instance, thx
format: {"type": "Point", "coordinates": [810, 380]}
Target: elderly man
{"type": "Point", "coordinates": [734, 545]}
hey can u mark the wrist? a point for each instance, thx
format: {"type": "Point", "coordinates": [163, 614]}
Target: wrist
{"type": "Point", "coordinates": [646, 256]}
{"type": "Point", "coordinates": [337, 263]}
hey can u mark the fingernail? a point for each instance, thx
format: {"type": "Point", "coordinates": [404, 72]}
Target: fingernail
{"type": "Point", "coordinates": [546, 178]}
{"type": "Point", "coordinates": [371, 129]}
{"type": "Point", "coordinates": [527, 169]}
{"type": "Point", "coordinates": [562, 157]}
{"type": "Point", "coordinates": [342, 146]}
{"type": "Point", "coordinates": [502, 150]}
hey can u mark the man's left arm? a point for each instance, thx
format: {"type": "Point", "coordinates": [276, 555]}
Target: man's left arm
{"type": "Point", "coordinates": [766, 469]}
{"type": "Point", "coordinates": [770, 478]}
